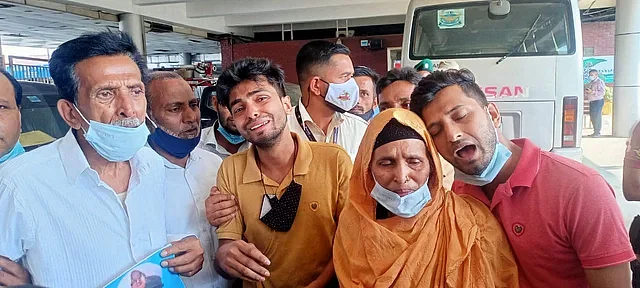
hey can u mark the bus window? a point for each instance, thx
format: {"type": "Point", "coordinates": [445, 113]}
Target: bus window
{"type": "Point", "coordinates": [476, 35]}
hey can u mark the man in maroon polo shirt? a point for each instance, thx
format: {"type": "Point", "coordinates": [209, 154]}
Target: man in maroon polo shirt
{"type": "Point", "coordinates": [560, 216]}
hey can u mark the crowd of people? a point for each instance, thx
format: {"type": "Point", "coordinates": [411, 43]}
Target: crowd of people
{"type": "Point", "coordinates": [403, 180]}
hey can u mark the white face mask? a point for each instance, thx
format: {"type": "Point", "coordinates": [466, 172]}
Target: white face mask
{"type": "Point", "coordinates": [342, 97]}
{"type": "Point", "coordinates": [405, 207]}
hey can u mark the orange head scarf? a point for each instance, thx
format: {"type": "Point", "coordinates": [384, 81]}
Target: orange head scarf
{"type": "Point", "coordinates": [453, 242]}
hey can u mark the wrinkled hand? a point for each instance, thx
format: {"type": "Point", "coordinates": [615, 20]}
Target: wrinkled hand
{"type": "Point", "coordinates": [243, 260]}
{"type": "Point", "coordinates": [12, 274]}
{"type": "Point", "coordinates": [189, 256]}
{"type": "Point", "coordinates": [220, 208]}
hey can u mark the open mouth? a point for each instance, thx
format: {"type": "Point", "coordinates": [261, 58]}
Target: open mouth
{"type": "Point", "coordinates": [466, 152]}
{"type": "Point", "coordinates": [259, 125]}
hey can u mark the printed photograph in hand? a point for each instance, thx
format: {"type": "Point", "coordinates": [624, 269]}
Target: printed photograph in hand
{"type": "Point", "coordinates": [148, 274]}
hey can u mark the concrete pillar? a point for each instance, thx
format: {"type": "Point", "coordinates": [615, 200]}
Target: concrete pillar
{"type": "Point", "coordinates": [1, 55]}
{"type": "Point", "coordinates": [185, 58]}
{"type": "Point", "coordinates": [133, 25]}
{"type": "Point", "coordinates": [626, 92]}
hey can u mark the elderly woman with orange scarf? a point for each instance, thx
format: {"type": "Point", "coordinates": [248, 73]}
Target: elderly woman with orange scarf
{"type": "Point", "coordinates": [401, 228]}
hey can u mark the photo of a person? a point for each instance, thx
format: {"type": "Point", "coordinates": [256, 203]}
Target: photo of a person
{"type": "Point", "coordinates": [146, 275]}
{"type": "Point", "coordinates": [138, 280]}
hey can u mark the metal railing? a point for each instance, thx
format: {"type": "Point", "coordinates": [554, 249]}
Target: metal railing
{"type": "Point", "coordinates": [33, 73]}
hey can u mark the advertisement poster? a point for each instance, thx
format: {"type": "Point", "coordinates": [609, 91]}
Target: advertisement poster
{"type": "Point", "coordinates": [604, 65]}
{"type": "Point", "coordinates": [148, 274]}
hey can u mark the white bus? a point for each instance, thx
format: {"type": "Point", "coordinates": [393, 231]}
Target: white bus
{"type": "Point", "coordinates": [526, 56]}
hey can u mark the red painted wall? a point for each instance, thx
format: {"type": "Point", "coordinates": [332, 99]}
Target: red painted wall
{"type": "Point", "coordinates": [284, 53]}
{"type": "Point", "coordinates": [600, 36]}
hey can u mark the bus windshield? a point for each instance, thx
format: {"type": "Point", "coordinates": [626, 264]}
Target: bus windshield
{"type": "Point", "coordinates": [466, 30]}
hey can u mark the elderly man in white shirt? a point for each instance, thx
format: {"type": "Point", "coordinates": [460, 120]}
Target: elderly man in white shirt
{"type": "Point", "coordinates": [82, 210]}
{"type": "Point", "coordinates": [190, 171]}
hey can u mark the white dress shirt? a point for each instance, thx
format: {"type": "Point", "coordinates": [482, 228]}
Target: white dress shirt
{"type": "Point", "coordinates": [209, 143]}
{"type": "Point", "coordinates": [187, 190]}
{"type": "Point", "coordinates": [345, 130]}
{"type": "Point", "coordinates": [68, 226]}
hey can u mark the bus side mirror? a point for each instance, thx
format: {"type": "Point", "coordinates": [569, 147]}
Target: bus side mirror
{"type": "Point", "coordinates": [499, 7]}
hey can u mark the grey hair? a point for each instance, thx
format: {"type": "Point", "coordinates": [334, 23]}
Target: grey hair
{"type": "Point", "coordinates": [65, 59]}
{"type": "Point", "coordinates": [154, 77]}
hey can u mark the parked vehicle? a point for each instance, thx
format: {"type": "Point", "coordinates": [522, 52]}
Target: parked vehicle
{"type": "Point", "coordinates": [41, 122]}
{"type": "Point", "coordinates": [526, 56]}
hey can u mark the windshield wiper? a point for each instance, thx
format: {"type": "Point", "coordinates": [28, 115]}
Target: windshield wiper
{"type": "Point", "coordinates": [517, 47]}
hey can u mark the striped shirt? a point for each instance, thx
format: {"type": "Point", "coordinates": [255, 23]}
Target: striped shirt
{"type": "Point", "coordinates": [345, 129]}
{"type": "Point", "coordinates": [68, 226]}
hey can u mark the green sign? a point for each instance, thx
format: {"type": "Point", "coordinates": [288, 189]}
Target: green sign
{"type": "Point", "coordinates": [604, 65]}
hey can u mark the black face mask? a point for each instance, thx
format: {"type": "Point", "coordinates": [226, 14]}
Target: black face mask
{"type": "Point", "coordinates": [283, 211]}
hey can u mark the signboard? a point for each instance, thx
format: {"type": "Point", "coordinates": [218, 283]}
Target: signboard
{"type": "Point", "coordinates": [604, 65]}
{"type": "Point", "coordinates": [450, 18]}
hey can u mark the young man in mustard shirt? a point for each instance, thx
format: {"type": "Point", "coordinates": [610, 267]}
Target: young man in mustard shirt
{"type": "Point", "coordinates": [290, 192]}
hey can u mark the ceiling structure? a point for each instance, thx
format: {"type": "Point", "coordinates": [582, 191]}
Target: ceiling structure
{"type": "Point", "coordinates": [38, 23]}
{"type": "Point", "coordinates": [29, 26]}
{"type": "Point", "coordinates": [261, 13]}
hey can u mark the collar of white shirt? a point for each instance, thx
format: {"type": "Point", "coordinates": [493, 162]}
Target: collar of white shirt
{"type": "Point", "coordinates": [75, 162]}
{"type": "Point", "coordinates": [193, 157]}
{"type": "Point", "coordinates": [338, 118]}
{"type": "Point", "coordinates": [209, 139]}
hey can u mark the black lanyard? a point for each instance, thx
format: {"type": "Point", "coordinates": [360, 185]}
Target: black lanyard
{"type": "Point", "coordinates": [307, 131]}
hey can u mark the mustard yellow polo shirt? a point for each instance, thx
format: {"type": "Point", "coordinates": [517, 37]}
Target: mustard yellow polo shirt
{"type": "Point", "coordinates": [299, 255]}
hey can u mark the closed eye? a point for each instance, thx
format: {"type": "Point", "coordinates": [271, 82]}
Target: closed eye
{"type": "Point", "coordinates": [461, 117]}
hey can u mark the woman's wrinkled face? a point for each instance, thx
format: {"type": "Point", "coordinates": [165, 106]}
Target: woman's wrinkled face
{"type": "Point", "coordinates": [401, 166]}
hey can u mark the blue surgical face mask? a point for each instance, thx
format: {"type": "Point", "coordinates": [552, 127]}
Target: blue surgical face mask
{"type": "Point", "coordinates": [115, 143]}
{"type": "Point", "coordinates": [16, 151]}
{"type": "Point", "coordinates": [500, 156]}
{"type": "Point", "coordinates": [232, 138]}
{"type": "Point", "coordinates": [175, 146]}
{"type": "Point", "coordinates": [406, 207]}
{"type": "Point", "coordinates": [591, 77]}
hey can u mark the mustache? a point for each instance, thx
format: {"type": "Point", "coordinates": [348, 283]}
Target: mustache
{"type": "Point", "coordinates": [131, 122]}
{"type": "Point", "coordinates": [177, 135]}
